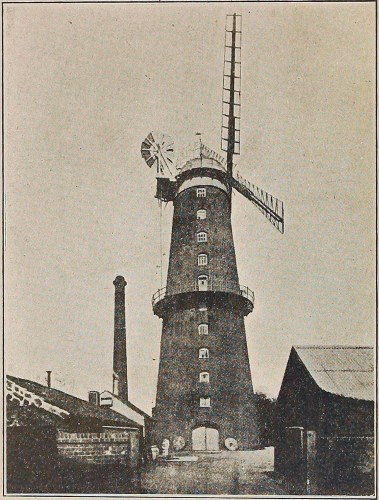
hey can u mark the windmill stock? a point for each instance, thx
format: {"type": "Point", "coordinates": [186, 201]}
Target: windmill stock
{"type": "Point", "coordinates": [157, 148]}
{"type": "Point", "coordinates": [205, 398]}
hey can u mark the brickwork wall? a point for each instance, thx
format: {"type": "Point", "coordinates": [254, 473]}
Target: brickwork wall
{"type": "Point", "coordinates": [230, 389]}
{"type": "Point", "coordinates": [100, 447]}
{"type": "Point", "coordinates": [183, 268]}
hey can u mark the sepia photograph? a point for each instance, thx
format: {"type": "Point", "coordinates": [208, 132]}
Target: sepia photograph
{"type": "Point", "coordinates": [189, 249]}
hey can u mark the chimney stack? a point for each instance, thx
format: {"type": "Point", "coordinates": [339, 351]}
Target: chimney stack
{"type": "Point", "coordinates": [94, 397]}
{"type": "Point", "coordinates": [120, 376]}
{"type": "Point", "coordinates": [48, 378]}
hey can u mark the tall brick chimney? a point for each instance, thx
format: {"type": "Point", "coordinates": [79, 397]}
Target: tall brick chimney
{"type": "Point", "coordinates": [120, 376]}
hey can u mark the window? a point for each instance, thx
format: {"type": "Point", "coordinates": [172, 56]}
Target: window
{"type": "Point", "coordinates": [202, 283]}
{"type": "Point", "coordinates": [203, 329]}
{"type": "Point", "coordinates": [203, 353]}
{"type": "Point", "coordinates": [201, 214]}
{"type": "Point", "coordinates": [201, 192]}
{"type": "Point", "coordinates": [202, 237]}
{"type": "Point", "coordinates": [204, 377]}
{"type": "Point", "coordinates": [202, 259]}
{"type": "Point", "coordinates": [205, 402]}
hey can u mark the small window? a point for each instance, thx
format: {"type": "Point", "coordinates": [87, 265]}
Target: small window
{"type": "Point", "coordinates": [203, 329]}
{"type": "Point", "coordinates": [204, 377]}
{"type": "Point", "coordinates": [202, 283]}
{"type": "Point", "coordinates": [201, 214]}
{"type": "Point", "coordinates": [202, 237]}
{"type": "Point", "coordinates": [205, 402]}
{"type": "Point", "coordinates": [203, 353]}
{"type": "Point", "coordinates": [201, 192]}
{"type": "Point", "coordinates": [202, 259]}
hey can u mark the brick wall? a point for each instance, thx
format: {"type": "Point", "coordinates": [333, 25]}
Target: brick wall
{"type": "Point", "coordinates": [110, 447]}
{"type": "Point", "coordinates": [183, 266]}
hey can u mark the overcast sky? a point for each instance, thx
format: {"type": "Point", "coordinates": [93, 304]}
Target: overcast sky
{"type": "Point", "coordinates": [84, 85]}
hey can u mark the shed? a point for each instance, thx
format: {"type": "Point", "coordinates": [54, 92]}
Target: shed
{"type": "Point", "coordinates": [57, 442]}
{"type": "Point", "coordinates": [324, 420]}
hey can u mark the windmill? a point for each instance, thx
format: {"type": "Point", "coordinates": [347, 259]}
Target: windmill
{"type": "Point", "coordinates": [205, 398]}
{"type": "Point", "coordinates": [158, 148]}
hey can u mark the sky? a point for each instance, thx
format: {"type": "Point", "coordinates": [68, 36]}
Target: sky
{"type": "Point", "coordinates": [83, 86]}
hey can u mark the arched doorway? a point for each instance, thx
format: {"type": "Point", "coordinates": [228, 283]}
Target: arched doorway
{"type": "Point", "coordinates": [205, 439]}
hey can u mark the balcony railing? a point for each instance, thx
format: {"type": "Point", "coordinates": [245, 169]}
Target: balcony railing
{"type": "Point", "coordinates": [159, 295]}
{"type": "Point", "coordinates": [247, 293]}
{"type": "Point", "coordinates": [215, 286]}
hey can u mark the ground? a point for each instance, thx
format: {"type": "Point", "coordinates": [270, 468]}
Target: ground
{"type": "Point", "coordinates": [224, 473]}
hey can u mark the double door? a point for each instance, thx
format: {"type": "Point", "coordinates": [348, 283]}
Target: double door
{"type": "Point", "coordinates": [205, 439]}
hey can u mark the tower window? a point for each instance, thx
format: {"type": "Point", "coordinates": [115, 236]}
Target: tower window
{"type": "Point", "coordinates": [201, 214]}
{"type": "Point", "coordinates": [203, 329]}
{"type": "Point", "coordinates": [201, 192]}
{"type": "Point", "coordinates": [202, 259]}
{"type": "Point", "coordinates": [202, 283]}
{"type": "Point", "coordinates": [203, 353]}
{"type": "Point", "coordinates": [205, 402]}
{"type": "Point", "coordinates": [204, 377]}
{"type": "Point", "coordinates": [202, 237]}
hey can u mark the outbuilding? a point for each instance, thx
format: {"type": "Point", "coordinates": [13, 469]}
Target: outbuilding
{"type": "Point", "coordinates": [58, 443]}
{"type": "Point", "coordinates": [324, 422]}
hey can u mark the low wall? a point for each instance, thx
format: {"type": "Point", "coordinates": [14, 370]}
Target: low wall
{"type": "Point", "coordinates": [110, 447]}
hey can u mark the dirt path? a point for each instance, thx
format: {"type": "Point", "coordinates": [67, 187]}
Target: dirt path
{"type": "Point", "coordinates": [225, 473]}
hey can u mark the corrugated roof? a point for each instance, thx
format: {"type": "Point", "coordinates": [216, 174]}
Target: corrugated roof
{"type": "Point", "coordinates": [76, 407]}
{"type": "Point", "coordinates": [344, 370]}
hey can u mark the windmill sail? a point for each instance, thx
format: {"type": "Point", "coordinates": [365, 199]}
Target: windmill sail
{"type": "Point", "coordinates": [271, 207]}
{"type": "Point", "coordinates": [231, 94]}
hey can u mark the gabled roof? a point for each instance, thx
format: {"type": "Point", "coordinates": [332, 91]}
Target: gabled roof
{"type": "Point", "coordinates": [128, 403]}
{"type": "Point", "coordinates": [343, 370]}
{"type": "Point", "coordinates": [78, 409]}
{"type": "Point", "coordinates": [138, 410]}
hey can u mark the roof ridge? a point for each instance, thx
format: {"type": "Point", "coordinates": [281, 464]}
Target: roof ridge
{"type": "Point", "coordinates": [20, 380]}
{"type": "Point", "coordinates": [341, 370]}
{"type": "Point", "coordinates": [331, 346]}
{"type": "Point", "coordinates": [73, 404]}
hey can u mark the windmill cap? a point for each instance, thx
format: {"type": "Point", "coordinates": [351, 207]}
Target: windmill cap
{"type": "Point", "coordinates": [199, 155]}
{"type": "Point", "coordinates": [202, 163]}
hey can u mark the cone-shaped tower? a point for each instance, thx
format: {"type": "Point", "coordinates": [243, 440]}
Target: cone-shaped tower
{"type": "Point", "coordinates": [204, 393]}
{"type": "Point", "coordinates": [120, 376]}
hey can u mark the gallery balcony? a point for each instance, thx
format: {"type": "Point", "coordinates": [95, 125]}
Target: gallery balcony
{"type": "Point", "coordinates": [212, 293]}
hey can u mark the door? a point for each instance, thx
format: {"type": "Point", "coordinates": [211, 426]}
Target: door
{"type": "Point", "coordinates": [205, 439]}
{"type": "Point", "coordinates": [202, 282]}
{"type": "Point", "coordinates": [211, 439]}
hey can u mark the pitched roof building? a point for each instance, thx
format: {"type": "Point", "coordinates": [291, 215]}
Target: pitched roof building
{"type": "Point", "coordinates": [343, 370]}
{"type": "Point", "coordinates": [59, 408]}
{"type": "Point", "coordinates": [58, 443]}
{"type": "Point", "coordinates": [325, 414]}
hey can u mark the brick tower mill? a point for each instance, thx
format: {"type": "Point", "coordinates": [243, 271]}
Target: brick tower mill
{"type": "Point", "coordinates": [205, 398]}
